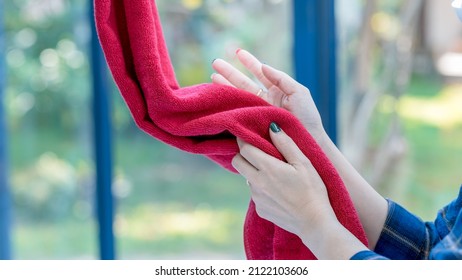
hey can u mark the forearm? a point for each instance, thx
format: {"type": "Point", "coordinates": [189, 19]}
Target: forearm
{"type": "Point", "coordinates": [372, 208]}
{"type": "Point", "coordinates": [332, 241]}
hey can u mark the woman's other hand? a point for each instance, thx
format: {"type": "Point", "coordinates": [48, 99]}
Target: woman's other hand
{"type": "Point", "coordinates": [277, 88]}
{"type": "Point", "coordinates": [290, 194]}
{"type": "Point", "coordinates": [293, 196]}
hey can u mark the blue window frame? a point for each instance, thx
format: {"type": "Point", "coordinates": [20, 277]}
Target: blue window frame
{"type": "Point", "coordinates": [5, 201]}
{"type": "Point", "coordinates": [102, 147]}
{"type": "Point", "coordinates": [315, 56]}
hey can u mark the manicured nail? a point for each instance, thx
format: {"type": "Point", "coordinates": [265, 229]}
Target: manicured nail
{"type": "Point", "coordinates": [211, 76]}
{"type": "Point", "coordinates": [275, 128]}
{"type": "Point", "coordinates": [238, 50]}
{"type": "Point", "coordinates": [214, 60]}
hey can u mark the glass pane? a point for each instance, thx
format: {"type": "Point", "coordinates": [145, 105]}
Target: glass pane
{"type": "Point", "coordinates": [49, 121]}
{"type": "Point", "coordinates": [401, 81]}
{"type": "Point", "coordinates": [177, 205]}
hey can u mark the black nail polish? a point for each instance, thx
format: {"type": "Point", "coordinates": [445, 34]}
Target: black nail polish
{"type": "Point", "coordinates": [275, 128]}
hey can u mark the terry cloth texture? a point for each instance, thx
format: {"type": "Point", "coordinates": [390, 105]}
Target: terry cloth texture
{"type": "Point", "coordinates": [206, 119]}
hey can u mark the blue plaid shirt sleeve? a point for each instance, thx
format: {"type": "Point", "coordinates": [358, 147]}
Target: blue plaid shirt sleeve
{"type": "Point", "coordinates": [407, 237]}
{"type": "Point", "coordinates": [450, 248]}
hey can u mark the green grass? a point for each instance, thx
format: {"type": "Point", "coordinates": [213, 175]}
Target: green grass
{"type": "Point", "coordinates": [68, 239]}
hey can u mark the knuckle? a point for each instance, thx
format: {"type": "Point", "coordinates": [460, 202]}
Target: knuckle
{"type": "Point", "coordinates": [305, 89]}
{"type": "Point", "coordinates": [216, 78]}
{"type": "Point", "coordinates": [306, 164]}
{"type": "Point", "coordinates": [260, 76]}
{"type": "Point", "coordinates": [236, 164]}
{"type": "Point", "coordinates": [235, 160]}
{"type": "Point", "coordinates": [261, 211]}
{"type": "Point", "coordinates": [284, 141]}
{"type": "Point", "coordinates": [245, 150]}
{"type": "Point", "coordinates": [231, 75]}
{"type": "Point", "coordinates": [244, 84]}
{"type": "Point", "coordinates": [278, 82]}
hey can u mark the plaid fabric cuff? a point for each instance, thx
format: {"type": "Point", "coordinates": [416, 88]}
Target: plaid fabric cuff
{"type": "Point", "coordinates": [367, 255]}
{"type": "Point", "coordinates": [404, 235]}
{"type": "Point", "coordinates": [450, 248]}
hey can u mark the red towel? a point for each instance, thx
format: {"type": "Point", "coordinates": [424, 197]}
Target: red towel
{"type": "Point", "coordinates": [205, 119]}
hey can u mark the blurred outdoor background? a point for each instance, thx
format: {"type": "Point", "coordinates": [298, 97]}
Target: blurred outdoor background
{"type": "Point", "coordinates": [400, 116]}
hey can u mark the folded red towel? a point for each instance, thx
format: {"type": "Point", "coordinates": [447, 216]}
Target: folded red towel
{"type": "Point", "coordinates": [205, 119]}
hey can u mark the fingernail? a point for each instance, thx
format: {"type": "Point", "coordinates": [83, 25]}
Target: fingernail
{"type": "Point", "coordinates": [275, 127]}
{"type": "Point", "coordinates": [238, 50]}
{"type": "Point", "coordinates": [214, 60]}
{"type": "Point", "coordinates": [211, 76]}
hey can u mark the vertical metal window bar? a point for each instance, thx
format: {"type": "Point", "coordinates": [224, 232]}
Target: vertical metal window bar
{"type": "Point", "coordinates": [5, 198]}
{"type": "Point", "coordinates": [315, 56]}
{"type": "Point", "coordinates": [103, 147]}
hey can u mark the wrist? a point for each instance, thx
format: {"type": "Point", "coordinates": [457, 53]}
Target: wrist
{"type": "Point", "coordinates": [322, 138]}
{"type": "Point", "coordinates": [332, 241]}
{"type": "Point", "coordinates": [315, 226]}
{"type": "Point", "coordinates": [316, 131]}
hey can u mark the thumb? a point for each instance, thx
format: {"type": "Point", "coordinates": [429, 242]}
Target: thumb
{"type": "Point", "coordinates": [286, 145]}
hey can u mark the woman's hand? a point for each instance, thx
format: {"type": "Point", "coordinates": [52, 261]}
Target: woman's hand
{"type": "Point", "coordinates": [278, 89]}
{"type": "Point", "coordinates": [294, 197]}
{"type": "Point", "coordinates": [291, 195]}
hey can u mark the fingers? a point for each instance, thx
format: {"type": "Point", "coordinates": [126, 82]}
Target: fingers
{"type": "Point", "coordinates": [253, 65]}
{"type": "Point", "coordinates": [281, 80]}
{"type": "Point", "coordinates": [220, 80]}
{"type": "Point", "coordinates": [254, 156]}
{"type": "Point", "coordinates": [244, 167]}
{"type": "Point", "coordinates": [234, 76]}
{"type": "Point", "coordinates": [260, 161]}
{"type": "Point", "coordinates": [277, 82]}
{"type": "Point", "coordinates": [287, 146]}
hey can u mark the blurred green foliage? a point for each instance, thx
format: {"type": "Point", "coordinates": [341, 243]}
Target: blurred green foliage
{"type": "Point", "coordinates": [49, 115]}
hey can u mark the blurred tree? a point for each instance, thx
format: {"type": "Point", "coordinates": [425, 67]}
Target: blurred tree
{"type": "Point", "coordinates": [47, 64]}
{"type": "Point", "coordinates": [47, 97]}
{"type": "Point", "coordinates": [379, 67]}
